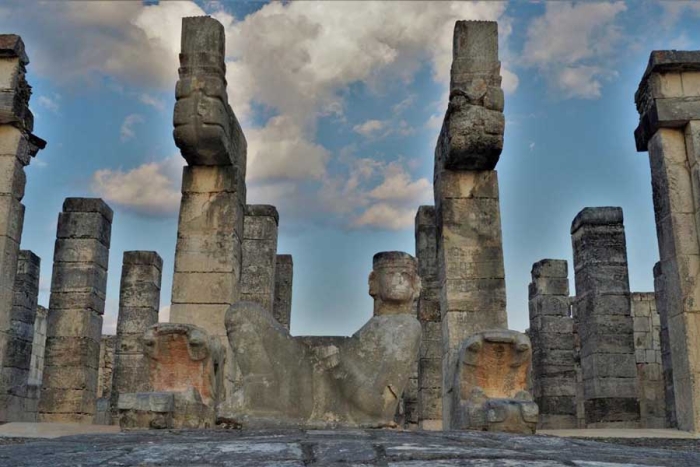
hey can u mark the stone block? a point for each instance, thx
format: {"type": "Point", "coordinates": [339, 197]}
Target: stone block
{"type": "Point", "coordinates": [614, 387]}
{"type": "Point", "coordinates": [134, 320]}
{"type": "Point", "coordinates": [552, 324]}
{"type": "Point", "coordinates": [67, 401]}
{"type": "Point", "coordinates": [466, 184]}
{"type": "Point", "coordinates": [74, 323]}
{"type": "Point", "coordinates": [82, 378]}
{"type": "Point", "coordinates": [11, 218]}
{"type": "Point", "coordinates": [611, 409]}
{"type": "Point", "coordinates": [209, 212]}
{"type": "Point", "coordinates": [84, 225]}
{"type": "Point", "coordinates": [550, 268]}
{"type": "Point", "coordinates": [81, 250]}
{"type": "Point", "coordinates": [210, 179]}
{"type": "Point", "coordinates": [78, 277]}
{"type": "Point", "coordinates": [549, 305]}
{"type": "Point", "coordinates": [209, 252]}
{"type": "Point", "coordinates": [204, 288]}
{"type": "Point", "coordinates": [83, 205]}
{"type": "Point", "coordinates": [93, 301]}
{"type": "Point", "coordinates": [609, 365]}
{"type": "Point", "coordinates": [13, 179]}
{"type": "Point", "coordinates": [71, 352]}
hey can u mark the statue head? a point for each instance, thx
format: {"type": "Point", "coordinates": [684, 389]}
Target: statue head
{"type": "Point", "coordinates": [394, 278]}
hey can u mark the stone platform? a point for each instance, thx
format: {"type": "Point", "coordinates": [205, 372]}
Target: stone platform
{"type": "Point", "coordinates": [292, 448]}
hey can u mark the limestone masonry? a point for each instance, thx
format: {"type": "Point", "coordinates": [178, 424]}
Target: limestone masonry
{"type": "Point", "coordinates": [436, 353]}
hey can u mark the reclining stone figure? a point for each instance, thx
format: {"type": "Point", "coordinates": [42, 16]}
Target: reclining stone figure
{"type": "Point", "coordinates": [491, 381]}
{"type": "Point", "coordinates": [185, 377]}
{"type": "Point", "coordinates": [331, 381]}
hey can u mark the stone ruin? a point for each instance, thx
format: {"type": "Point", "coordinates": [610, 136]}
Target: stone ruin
{"type": "Point", "coordinates": [436, 353]}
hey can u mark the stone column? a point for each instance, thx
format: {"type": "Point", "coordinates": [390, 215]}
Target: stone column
{"type": "Point", "coordinates": [259, 255]}
{"type": "Point", "coordinates": [665, 344]}
{"type": "Point", "coordinates": [17, 146]}
{"type": "Point", "coordinates": [139, 302]}
{"type": "Point", "coordinates": [284, 275]}
{"type": "Point", "coordinates": [76, 306]}
{"type": "Point", "coordinates": [647, 348]}
{"type": "Point", "coordinates": [604, 320]}
{"type": "Point", "coordinates": [470, 248]}
{"type": "Point", "coordinates": [430, 357]}
{"type": "Point", "coordinates": [552, 337]}
{"type": "Point", "coordinates": [38, 343]}
{"type": "Point", "coordinates": [16, 404]}
{"type": "Point", "coordinates": [668, 101]}
{"type": "Point", "coordinates": [210, 227]}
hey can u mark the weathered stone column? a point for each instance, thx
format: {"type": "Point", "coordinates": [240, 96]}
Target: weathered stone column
{"type": "Point", "coordinates": [470, 248]}
{"type": "Point", "coordinates": [16, 404]}
{"type": "Point", "coordinates": [668, 101]}
{"type": "Point", "coordinates": [604, 319]}
{"type": "Point", "coordinates": [430, 357]}
{"type": "Point", "coordinates": [665, 343]}
{"type": "Point", "coordinates": [259, 255]}
{"type": "Point", "coordinates": [284, 276]}
{"type": "Point", "coordinates": [210, 227]}
{"type": "Point", "coordinates": [17, 146]}
{"type": "Point", "coordinates": [38, 344]}
{"type": "Point", "coordinates": [139, 302]}
{"type": "Point", "coordinates": [76, 306]}
{"type": "Point", "coordinates": [552, 337]}
{"type": "Point", "coordinates": [647, 349]}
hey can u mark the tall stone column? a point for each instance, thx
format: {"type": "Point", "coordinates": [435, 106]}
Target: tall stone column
{"type": "Point", "coordinates": [552, 337]}
{"type": "Point", "coordinates": [469, 244]}
{"type": "Point", "coordinates": [76, 306]}
{"type": "Point", "coordinates": [17, 404]}
{"type": "Point", "coordinates": [430, 357]}
{"type": "Point", "coordinates": [604, 320]}
{"type": "Point", "coordinates": [668, 101]}
{"type": "Point", "coordinates": [17, 146]}
{"type": "Point", "coordinates": [284, 276]}
{"type": "Point", "coordinates": [139, 302]}
{"type": "Point", "coordinates": [665, 343]}
{"type": "Point", "coordinates": [38, 344]}
{"type": "Point", "coordinates": [210, 226]}
{"type": "Point", "coordinates": [259, 255]}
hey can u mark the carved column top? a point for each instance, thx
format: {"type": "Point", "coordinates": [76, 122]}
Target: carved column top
{"type": "Point", "coordinates": [606, 215]}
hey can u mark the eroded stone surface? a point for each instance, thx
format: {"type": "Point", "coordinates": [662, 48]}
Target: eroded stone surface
{"type": "Point", "coordinates": [490, 391]}
{"type": "Point", "coordinates": [339, 447]}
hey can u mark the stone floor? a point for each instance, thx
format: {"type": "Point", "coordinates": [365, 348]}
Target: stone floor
{"type": "Point", "coordinates": [332, 448]}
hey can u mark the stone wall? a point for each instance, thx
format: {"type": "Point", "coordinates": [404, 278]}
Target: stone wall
{"type": "Point", "coordinates": [647, 348]}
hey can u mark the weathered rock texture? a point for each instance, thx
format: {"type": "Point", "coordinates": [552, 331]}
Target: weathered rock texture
{"type": "Point", "coordinates": [17, 146]}
{"type": "Point", "coordinates": [284, 276]}
{"type": "Point", "coordinates": [647, 348]}
{"type": "Point", "coordinates": [552, 336]}
{"type": "Point", "coordinates": [469, 244]}
{"type": "Point", "coordinates": [604, 320]}
{"type": "Point", "coordinates": [259, 255]}
{"type": "Point", "coordinates": [36, 369]}
{"type": "Point", "coordinates": [430, 357]}
{"type": "Point", "coordinates": [665, 343]}
{"type": "Point", "coordinates": [139, 302]}
{"type": "Point", "coordinates": [319, 381]}
{"type": "Point", "coordinates": [491, 382]}
{"type": "Point", "coordinates": [76, 305]}
{"type": "Point", "coordinates": [105, 378]}
{"type": "Point", "coordinates": [668, 101]}
{"type": "Point", "coordinates": [184, 380]}
{"type": "Point", "coordinates": [18, 402]}
{"type": "Point", "coordinates": [210, 227]}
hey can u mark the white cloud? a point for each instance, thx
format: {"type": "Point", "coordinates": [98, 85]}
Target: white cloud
{"type": "Point", "coordinates": [127, 131]}
{"type": "Point", "coordinates": [152, 101]}
{"type": "Point", "coordinates": [386, 216]}
{"type": "Point", "coordinates": [370, 128]}
{"type": "Point", "coordinates": [50, 103]}
{"type": "Point", "coordinates": [151, 189]}
{"type": "Point", "coordinates": [570, 41]}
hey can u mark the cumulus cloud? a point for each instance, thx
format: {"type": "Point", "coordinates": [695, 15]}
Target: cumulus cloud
{"type": "Point", "coordinates": [158, 104]}
{"type": "Point", "coordinates": [369, 128]}
{"type": "Point", "coordinates": [50, 103]}
{"type": "Point", "coordinates": [570, 43]}
{"type": "Point", "coordinates": [127, 131]}
{"type": "Point", "coordinates": [151, 189]}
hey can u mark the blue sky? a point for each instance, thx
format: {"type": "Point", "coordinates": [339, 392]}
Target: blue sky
{"type": "Point", "coordinates": [341, 104]}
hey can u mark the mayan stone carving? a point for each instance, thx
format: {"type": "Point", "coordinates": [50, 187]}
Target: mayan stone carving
{"type": "Point", "coordinates": [668, 102]}
{"type": "Point", "coordinates": [491, 381]}
{"type": "Point", "coordinates": [604, 319]}
{"type": "Point", "coordinates": [467, 209]}
{"type": "Point", "coordinates": [321, 381]}
{"type": "Point", "coordinates": [184, 378]}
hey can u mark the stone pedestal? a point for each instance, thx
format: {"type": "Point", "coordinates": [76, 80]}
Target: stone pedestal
{"type": "Point", "coordinates": [77, 302]}
{"type": "Point", "coordinates": [259, 255]}
{"type": "Point", "coordinates": [430, 357]}
{"type": "Point", "coordinates": [469, 244]}
{"type": "Point", "coordinates": [17, 146]}
{"type": "Point", "coordinates": [668, 101]}
{"type": "Point", "coordinates": [284, 276]}
{"type": "Point", "coordinates": [604, 320]}
{"type": "Point", "coordinates": [552, 336]}
{"type": "Point", "coordinates": [139, 302]}
{"type": "Point", "coordinates": [210, 228]}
